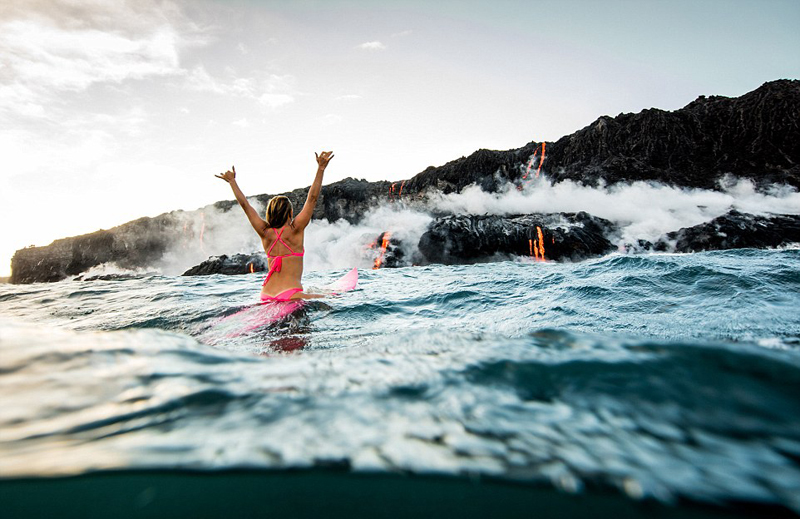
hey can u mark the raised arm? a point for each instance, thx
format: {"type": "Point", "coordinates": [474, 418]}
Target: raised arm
{"type": "Point", "coordinates": [304, 216]}
{"type": "Point", "coordinates": [256, 221]}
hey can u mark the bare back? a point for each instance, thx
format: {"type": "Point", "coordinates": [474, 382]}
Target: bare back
{"type": "Point", "coordinates": [284, 245]}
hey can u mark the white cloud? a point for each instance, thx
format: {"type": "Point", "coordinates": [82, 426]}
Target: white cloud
{"type": "Point", "coordinates": [330, 119]}
{"type": "Point", "coordinates": [275, 100]}
{"type": "Point", "coordinates": [50, 47]}
{"type": "Point", "coordinates": [48, 56]}
{"type": "Point", "coordinates": [402, 33]}
{"type": "Point", "coordinates": [348, 97]}
{"type": "Point", "coordinates": [129, 121]}
{"type": "Point", "coordinates": [272, 92]}
{"type": "Point", "coordinates": [20, 99]}
{"type": "Point", "coordinates": [372, 45]}
{"type": "Point", "coordinates": [241, 123]}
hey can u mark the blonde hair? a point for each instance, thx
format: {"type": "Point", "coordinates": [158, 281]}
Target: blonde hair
{"type": "Point", "coordinates": [279, 210]}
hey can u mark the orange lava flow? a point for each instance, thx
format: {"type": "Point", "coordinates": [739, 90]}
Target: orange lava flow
{"type": "Point", "coordinates": [251, 268]}
{"type": "Point", "coordinates": [541, 242]}
{"type": "Point", "coordinates": [541, 161]}
{"type": "Point", "coordinates": [530, 164]}
{"type": "Point", "coordinates": [401, 189]}
{"type": "Point", "coordinates": [536, 246]}
{"type": "Point", "coordinates": [543, 147]}
{"type": "Point", "coordinates": [384, 244]}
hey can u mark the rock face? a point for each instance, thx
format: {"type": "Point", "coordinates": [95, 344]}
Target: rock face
{"type": "Point", "coordinates": [140, 243]}
{"type": "Point", "coordinates": [734, 230]}
{"type": "Point", "coordinates": [132, 245]}
{"type": "Point", "coordinates": [755, 136]}
{"type": "Point", "coordinates": [346, 199]}
{"type": "Point", "coordinates": [472, 239]}
{"type": "Point", "coordinates": [236, 264]}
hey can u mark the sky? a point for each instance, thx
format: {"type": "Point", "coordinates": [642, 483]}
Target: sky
{"type": "Point", "coordinates": [111, 109]}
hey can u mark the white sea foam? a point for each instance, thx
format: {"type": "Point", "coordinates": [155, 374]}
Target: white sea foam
{"type": "Point", "coordinates": [642, 210]}
{"type": "Point", "coordinates": [341, 244]}
{"type": "Point", "coordinates": [211, 232]}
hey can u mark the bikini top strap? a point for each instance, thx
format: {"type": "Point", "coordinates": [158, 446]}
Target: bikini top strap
{"type": "Point", "coordinates": [279, 239]}
{"type": "Point", "coordinates": [269, 251]}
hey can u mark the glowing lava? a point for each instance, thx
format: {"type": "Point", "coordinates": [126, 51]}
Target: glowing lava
{"type": "Point", "coordinates": [533, 158]}
{"type": "Point", "coordinates": [384, 243]}
{"type": "Point", "coordinates": [541, 242]}
{"type": "Point", "coordinates": [544, 144]}
{"type": "Point", "coordinates": [536, 246]}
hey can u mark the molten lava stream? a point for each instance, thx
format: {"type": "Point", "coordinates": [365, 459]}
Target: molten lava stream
{"type": "Point", "coordinates": [536, 246]}
{"type": "Point", "coordinates": [541, 242]}
{"type": "Point", "coordinates": [384, 243]}
{"type": "Point", "coordinates": [541, 161]}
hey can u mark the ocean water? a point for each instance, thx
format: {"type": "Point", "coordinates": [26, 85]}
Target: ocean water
{"type": "Point", "coordinates": [629, 384]}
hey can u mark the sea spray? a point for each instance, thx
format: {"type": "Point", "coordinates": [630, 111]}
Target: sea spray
{"type": "Point", "coordinates": [643, 210]}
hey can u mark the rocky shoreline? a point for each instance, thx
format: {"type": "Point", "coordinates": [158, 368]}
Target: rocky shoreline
{"type": "Point", "coordinates": [755, 137]}
{"type": "Point", "coordinates": [464, 239]}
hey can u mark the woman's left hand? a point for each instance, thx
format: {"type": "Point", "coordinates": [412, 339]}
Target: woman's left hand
{"type": "Point", "coordinates": [322, 160]}
{"type": "Point", "coordinates": [229, 175]}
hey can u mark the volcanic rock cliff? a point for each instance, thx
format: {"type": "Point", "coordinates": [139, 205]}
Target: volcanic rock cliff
{"type": "Point", "coordinates": [755, 136]}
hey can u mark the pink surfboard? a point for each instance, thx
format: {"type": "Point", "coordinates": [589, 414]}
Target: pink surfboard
{"type": "Point", "coordinates": [268, 312]}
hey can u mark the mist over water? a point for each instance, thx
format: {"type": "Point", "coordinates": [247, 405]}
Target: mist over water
{"type": "Point", "coordinates": [642, 210]}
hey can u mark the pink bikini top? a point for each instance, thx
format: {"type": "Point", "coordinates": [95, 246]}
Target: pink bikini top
{"type": "Point", "coordinates": [277, 261]}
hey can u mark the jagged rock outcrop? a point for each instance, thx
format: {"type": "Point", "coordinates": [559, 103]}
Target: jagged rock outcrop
{"type": "Point", "coordinates": [236, 264]}
{"type": "Point", "coordinates": [133, 245]}
{"type": "Point", "coordinates": [489, 169]}
{"type": "Point", "coordinates": [142, 242]}
{"type": "Point", "coordinates": [346, 199]}
{"type": "Point", "coordinates": [473, 238]}
{"type": "Point", "coordinates": [755, 136]}
{"type": "Point", "coordinates": [734, 230]}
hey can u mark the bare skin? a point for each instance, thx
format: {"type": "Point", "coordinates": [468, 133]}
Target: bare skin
{"type": "Point", "coordinates": [293, 233]}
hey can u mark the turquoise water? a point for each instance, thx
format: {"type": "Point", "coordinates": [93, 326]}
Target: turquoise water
{"type": "Point", "coordinates": [670, 379]}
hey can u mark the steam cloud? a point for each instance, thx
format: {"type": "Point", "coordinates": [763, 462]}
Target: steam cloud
{"type": "Point", "coordinates": [642, 210]}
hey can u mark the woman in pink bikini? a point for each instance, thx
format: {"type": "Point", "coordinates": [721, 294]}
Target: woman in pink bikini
{"type": "Point", "coordinates": [282, 236]}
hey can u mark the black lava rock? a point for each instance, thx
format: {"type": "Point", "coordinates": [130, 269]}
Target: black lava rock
{"type": "Point", "coordinates": [236, 264]}
{"type": "Point", "coordinates": [755, 136]}
{"type": "Point", "coordinates": [472, 238]}
{"type": "Point", "coordinates": [734, 230]}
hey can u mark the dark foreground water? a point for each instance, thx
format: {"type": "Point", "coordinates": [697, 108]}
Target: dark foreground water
{"type": "Point", "coordinates": [664, 385]}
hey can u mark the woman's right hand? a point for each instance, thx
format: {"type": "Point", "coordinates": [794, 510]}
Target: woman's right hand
{"type": "Point", "coordinates": [322, 160]}
{"type": "Point", "coordinates": [229, 175]}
